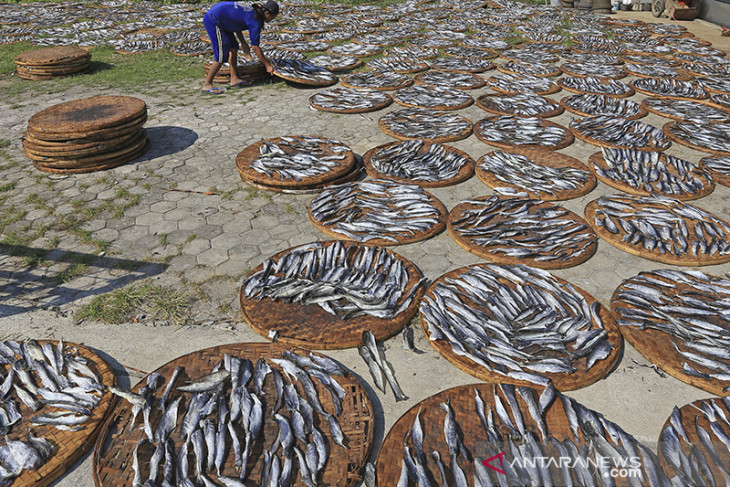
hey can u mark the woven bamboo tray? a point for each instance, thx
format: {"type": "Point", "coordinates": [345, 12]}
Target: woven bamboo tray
{"type": "Point", "coordinates": [640, 251]}
{"type": "Point", "coordinates": [65, 149]}
{"type": "Point", "coordinates": [547, 158]}
{"type": "Point", "coordinates": [60, 161]}
{"type": "Point", "coordinates": [107, 164]}
{"type": "Point", "coordinates": [315, 103]}
{"type": "Point", "coordinates": [467, 81]}
{"type": "Point", "coordinates": [83, 137]}
{"type": "Point", "coordinates": [331, 230]}
{"type": "Point", "coordinates": [681, 118]}
{"type": "Point", "coordinates": [603, 143]}
{"type": "Point", "coordinates": [641, 113]}
{"type": "Point", "coordinates": [464, 173]}
{"type": "Point", "coordinates": [554, 88]}
{"type": "Point", "coordinates": [312, 327]}
{"type": "Point", "coordinates": [639, 89]}
{"type": "Point", "coordinates": [53, 56]}
{"type": "Point", "coordinates": [597, 161]}
{"type": "Point", "coordinates": [246, 157]}
{"type": "Point", "coordinates": [69, 446]}
{"type": "Point", "coordinates": [78, 117]}
{"type": "Point", "coordinates": [667, 129]}
{"type": "Point", "coordinates": [565, 68]}
{"type": "Point", "coordinates": [719, 177]}
{"type": "Point", "coordinates": [355, 173]}
{"type": "Point", "coordinates": [446, 137]}
{"type": "Point", "coordinates": [489, 252]}
{"type": "Point", "coordinates": [114, 448]}
{"type": "Point", "coordinates": [567, 139]}
{"type": "Point", "coordinates": [630, 92]}
{"type": "Point", "coordinates": [462, 400]}
{"type": "Point", "coordinates": [485, 103]}
{"type": "Point", "coordinates": [681, 75]}
{"type": "Point", "coordinates": [467, 100]}
{"type": "Point", "coordinates": [659, 347]}
{"type": "Point", "coordinates": [562, 382]}
{"type": "Point", "coordinates": [551, 74]}
{"type": "Point", "coordinates": [691, 416]}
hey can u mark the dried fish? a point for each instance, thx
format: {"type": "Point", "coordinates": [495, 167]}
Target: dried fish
{"type": "Point", "coordinates": [416, 123]}
{"type": "Point", "coordinates": [590, 105]}
{"type": "Point", "coordinates": [413, 160]}
{"type": "Point", "coordinates": [347, 100]}
{"type": "Point", "coordinates": [597, 86]}
{"type": "Point", "coordinates": [619, 132]}
{"type": "Point", "coordinates": [670, 87]}
{"type": "Point", "coordinates": [290, 158]}
{"type": "Point", "coordinates": [436, 97]}
{"type": "Point", "coordinates": [517, 131]}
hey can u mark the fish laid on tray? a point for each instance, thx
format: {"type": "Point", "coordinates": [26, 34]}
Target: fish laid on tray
{"type": "Point", "coordinates": [513, 323]}
{"type": "Point", "coordinates": [377, 80]}
{"type": "Point", "coordinates": [348, 100]}
{"type": "Point", "coordinates": [505, 229]}
{"type": "Point", "coordinates": [520, 104]}
{"type": "Point", "coordinates": [589, 105]}
{"type": "Point", "coordinates": [435, 97]}
{"type": "Point", "coordinates": [703, 136]}
{"type": "Point", "coordinates": [461, 64]}
{"type": "Point", "coordinates": [661, 228]}
{"type": "Point", "coordinates": [646, 172]}
{"type": "Point", "coordinates": [379, 211]}
{"type": "Point", "coordinates": [418, 123]}
{"type": "Point", "coordinates": [610, 71]}
{"type": "Point", "coordinates": [354, 49]}
{"type": "Point", "coordinates": [654, 71]}
{"type": "Point", "coordinates": [488, 435]}
{"type": "Point", "coordinates": [345, 281]}
{"type": "Point", "coordinates": [214, 426]}
{"type": "Point", "coordinates": [513, 131]}
{"type": "Point", "coordinates": [298, 158]}
{"type": "Point", "coordinates": [596, 86]}
{"type": "Point", "coordinates": [392, 64]}
{"type": "Point", "coordinates": [514, 83]}
{"type": "Point", "coordinates": [687, 110]}
{"type": "Point", "coordinates": [529, 68]}
{"type": "Point", "coordinates": [715, 84]}
{"type": "Point", "coordinates": [719, 167]}
{"type": "Point", "coordinates": [607, 131]}
{"type": "Point", "coordinates": [411, 52]}
{"type": "Point", "coordinates": [528, 57]}
{"type": "Point", "coordinates": [688, 312]}
{"type": "Point", "coordinates": [529, 175]}
{"type": "Point", "coordinates": [670, 87]}
{"type": "Point", "coordinates": [303, 72]}
{"type": "Point", "coordinates": [694, 444]}
{"type": "Point", "coordinates": [463, 81]}
{"type": "Point", "coordinates": [49, 386]}
{"type": "Point", "coordinates": [470, 53]}
{"type": "Point", "coordinates": [335, 63]}
{"type": "Point", "coordinates": [420, 161]}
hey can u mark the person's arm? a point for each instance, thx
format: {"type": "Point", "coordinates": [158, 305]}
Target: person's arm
{"type": "Point", "coordinates": [260, 54]}
{"type": "Point", "coordinates": [244, 44]}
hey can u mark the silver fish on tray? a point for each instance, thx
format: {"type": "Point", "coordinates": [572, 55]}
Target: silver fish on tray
{"type": "Point", "coordinates": [407, 160]}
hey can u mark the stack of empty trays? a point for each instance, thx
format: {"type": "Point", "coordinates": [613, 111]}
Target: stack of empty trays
{"type": "Point", "coordinates": [52, 62]}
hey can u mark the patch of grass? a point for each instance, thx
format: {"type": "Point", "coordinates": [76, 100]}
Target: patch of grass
{"type": "Point", "coordinates": [290, 209]}
{"type": "Point", "coordinates": [7, 186]}
{"type": "Point", "coordinates": [76, 269]}
{"type": "Point", "coordinates": [124, 304]}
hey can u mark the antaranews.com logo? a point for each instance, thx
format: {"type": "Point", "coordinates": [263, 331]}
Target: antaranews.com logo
{"type": "Point", "coordinates": [615, 467]}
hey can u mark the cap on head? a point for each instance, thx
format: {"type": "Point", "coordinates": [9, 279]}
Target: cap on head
{"type": "Point", "coordinates": [271, 6]}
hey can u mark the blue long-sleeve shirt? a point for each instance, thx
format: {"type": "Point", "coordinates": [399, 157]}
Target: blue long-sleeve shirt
{"type": "Point", "coordinates": [237, 17]}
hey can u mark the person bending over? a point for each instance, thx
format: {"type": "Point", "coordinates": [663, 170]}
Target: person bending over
{"type": "Point", "coordinates": [225, 22]}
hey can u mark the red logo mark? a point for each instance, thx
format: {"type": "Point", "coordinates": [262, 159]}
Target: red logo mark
{"type": "Point", "coordinates": [496, 469]}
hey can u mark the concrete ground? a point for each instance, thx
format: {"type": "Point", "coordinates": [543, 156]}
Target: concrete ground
{"type": "Point", "coordinates": [174, 234]}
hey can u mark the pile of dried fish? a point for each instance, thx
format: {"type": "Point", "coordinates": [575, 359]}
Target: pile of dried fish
{"type": "Point", "coordinates": [436, 97]}
{"type": "Point", "coordinates": [528, 57]}
{"type": "Point", "coordinates": [722, 100]}
{"type": "Point", "coordinates": [596, 86]}
{"type": "Point", "coordinates": [530, 69]}
{"type": "Point", "coordinates": [377, 81]}
{"type": "Point", "coordinates": [663, 225]}
{"type": "Point", "coordinates": [520, 131]}
{"type": "Point", "coordinates": [687, 110]}
{"type": "Point", "coordinates": [54, 382]}
{"type": "Point", "coordinates": [707, 440]}
{"type": "Point", "coordinates": [690, 308]}
{"type": "Point", "coordinates": [584, 57]}
{"type": "Point", "coordinates": [653, 71]}
{"type": "Point", "coordinates": [634, 59]}
{"type": "Point", "coordinates": [612, 71]}
{"type": "Point", "coordinates": [411, 52]}
{"type": "Point", "coordinates": [470, 53]}
{"type": "Point", "coordinates": [715, 84]}
{"type": "Point", "coordinates": [393, 64]}
{"type": "Point", "coordinates": [303, 46]}
{"type": "Point", "coordinates": [654, 172]}
{"type": "Point", "coordinates": [719, 167]}
{"type": "Point", "coordinates": [520, 104]}
{"type": "Point", "coordinates": [464, 65]}
{"type": "Point", "coordinates": [349, 100]}
{"type": "Point", "coordinates": [377, 209]}
{"type": "Point", "coordinates": [514, 423]}
{"type": "Point", "coordinates": [527, 174]}
{"type": "Point", "coordinates": [353, 49]}
{"type": "Point", "coordinates": [521, 228]}
{"type": "Point", "coordinates": [226, 415]}
{"type": "Point", "coordinates": [408, 160]}
{"type": "Point", "coordinates": [619, 132]}
{"type": "Point", "coordinates": [590, 105]}
{"type": "Point", "coordinates": [715, 137]}
{"type": "Point", "coordinates": [464, 81]}
{"type": "Point", "coordinates": [416, 123]}
{"type": "Point", "coordinates": [670, 87]}
{"type": "Point", "coordinates": [512, 83]}
{"type": "Point", "coordinates": [345, 281]}
{"type": "Point", "coordinates": [486, 43]}
{"type": "Point", "coordinates": [708, 69]}
{"type": "Point", "coordinates": [516, 321]}
{"type": "Point", "coordinates": [302, 72]}
{"type": "Point", "coordinates": [297, 158]}
{"type": "Point", "coordinates": [335, 63]}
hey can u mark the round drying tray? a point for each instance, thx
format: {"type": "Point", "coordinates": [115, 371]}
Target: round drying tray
{"type": "Point", "coordinates": [347, 100]}
{"type": "Point", "coordinates": [670, 88]}
{"type": "Point", "coordinates": [430, 97]}
{"type": "Point", "coordinates": [646, 226]}
{"type": "Point", "coordinates": [376, 81]}
{"type": "Point", "coordinates": [485, 227]}
{"type": "Point", "coordinates": [427, 164]}
{"type": "Point", "coordinates": [303, 72]}
{"type": "Point", "coordinates": [588, 105]}
{"type": "Point", "coordinates": [295, 162]}
{"type": "Point", "coordinates": [644, 173]}
{"type": "Point", "coordinates": [617, 132]}
{"type": "Point", "coordinates": [417, 123]}
{"type": "Point", "coordinates": [336, 63]}
{"type": "Point", "coordinates": [596, 86]}
{"type": "Point", "coordinates": [57, 56]}
{"type": "Point", "coordinates": [711, 138]}
{"type": "Point", "coordinates": [543, 174]}
{"type": "Point", "coordinates": [530, 69]}
{"type": "Point", "coordinates": [520, 105]}
{"type": "Point", "coordinates": [387, 285]}
{"type": "Point", "coordinates": [719, 167]}
{"type": "Point", "coordinates": [528, 288]}
{"type": "Point", "coordinates": [508, 132]}
{"type": "Point", "coordinates": [378, 212]}
{"type": "Point", "coordinates": [462, 81]}
{"type": "Point", "coordinates": [115, 450]}
{"type": "Point", "coordinates": [512, 84]}
{"type": "Point", "coordinates": [687, 110]}
{"type": "Point", "coordinates": [602, 71]}
{"type": "Point", "coordinates": [461, 65]}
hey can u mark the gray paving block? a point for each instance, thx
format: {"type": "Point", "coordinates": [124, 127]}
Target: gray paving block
{"type": "Point", "coordinates": [196, 246]}
{"type": "Point", "coordinates": [213, 257]}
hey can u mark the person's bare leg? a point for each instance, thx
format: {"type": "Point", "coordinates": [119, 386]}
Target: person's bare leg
{"type": "Point", "coordinates": [214, 68]}
{"type": "Point", "coordinates": [233, 61]}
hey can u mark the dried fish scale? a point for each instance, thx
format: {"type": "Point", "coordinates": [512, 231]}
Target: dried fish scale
{"type": "Point", "coordinates": [419, 162]}
{"type": "Point", "coordinates": [377, 211]}
{"type": "Point", "coordinates": [609, 131]}
{"type": "Point", "coordinates": [670, 87]}
{"type": "Point", "coordinates": [506, 229]}
{"type": "Point", "coordinates": [417, 123]}
{"type": "Point", "coordinates": [344, 280]}
{"type": "Point", "coordinates": [436, 97]}
{"type": "Point", "coordinates": [346, 100]}
{"type": "Point", "coordinates": [518, 323]}
{"type": "Point", "coordinates": [687, 110]}
{"type": "Point", "coordinates": [529, 175]}
{"type": "Point", "coordinates": [641, 172]}
{"type": "Point", "coordinates": [521, 105]}
{"type": "Point", "coordinates": [590, 105]}
{"type": "Point", "coordinates": [661, 228]}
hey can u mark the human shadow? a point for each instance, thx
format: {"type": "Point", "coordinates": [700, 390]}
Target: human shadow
{"type": "Point", "coordinates": [98, 66]}
{"type": "Point", "coordinates": [166, 140]}
{"type": "Point", "coordinates": [19, 281]}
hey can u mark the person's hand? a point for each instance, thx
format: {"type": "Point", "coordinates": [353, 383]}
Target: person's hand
{"type": "Point", "coordinates": [246, 50]}
{"type": "Point", "coordinates": [270, 69]}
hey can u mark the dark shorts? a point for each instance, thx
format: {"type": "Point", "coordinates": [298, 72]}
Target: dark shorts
{"type": "Point", "coordinates": [222, 40]}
